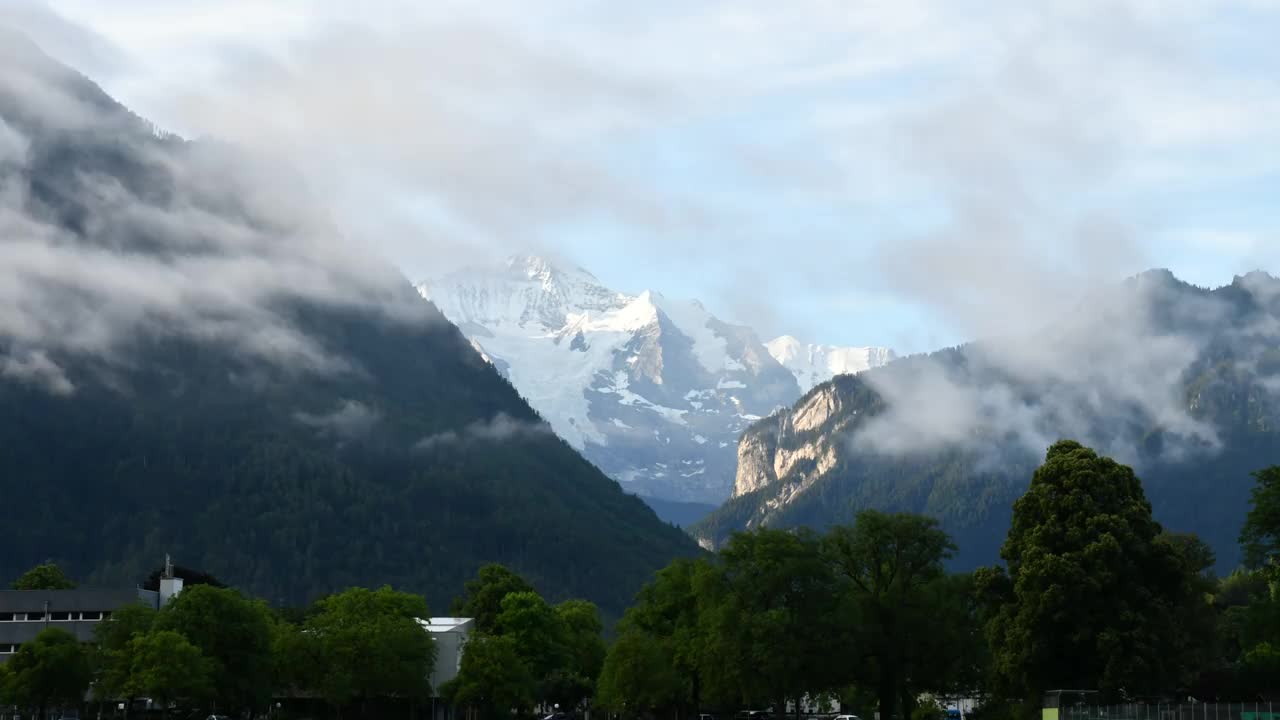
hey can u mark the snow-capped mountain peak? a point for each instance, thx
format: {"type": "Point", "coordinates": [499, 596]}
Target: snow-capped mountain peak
{"type": "Point", "coordinates": [655, 390]}
{"type": "Point", "coordinates": [815, 364]}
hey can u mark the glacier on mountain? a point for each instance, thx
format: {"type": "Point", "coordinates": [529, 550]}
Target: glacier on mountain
{"type": "Point", "coordinates": [815, 364]}
{"type": "Point", "coordinates": [653, 390]}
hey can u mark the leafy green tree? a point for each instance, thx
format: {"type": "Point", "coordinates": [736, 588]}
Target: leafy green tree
{"type": "Point", "coordinates": [113, 649]}
{"type": "Point", "coordinates": [167, 667]}
{"type": "Point", "coordinates": [493, 678]}
{"type": "Point", "coordinates": [945, 647]}
{"type": "Point", "coordinates": [886, 564]}
{"type": "Point", "coordinates": [571, 684]}
{"type": "Point", "coordinates": [295, 656]}
{"type": "Point", "coordinates": [53, 669]}
{"type": "Point", "coordinates": [640, 674]}
{"type": "Point", "coordinates": [369, 644]}
{"type": "Point", "coordinates": [1093, 597]}
{"type": "Point", "coordinates": [655, 663]}
{"type": "Point", "coordinates": [44, 577]}
{"type": "Point", "coordinates": [482, 600]}
{"type": "Point", "coordinates": [234, 634]}
{"type": "Point", "coordinates": [1260, 537]}
{"type": "Point", "coordinates": [764, 614]}
{"type": "Point", "coordinates": [539, 634]}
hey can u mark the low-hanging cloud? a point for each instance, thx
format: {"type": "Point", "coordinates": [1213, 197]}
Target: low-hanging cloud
{"type": "Point", "coordinates": [1107, 374]}
{"type": "Point", "coordinates": [351, 419]}
{"type": "Point", "coordinates": [499, 428]}
{"type": "Point", "coordinates": [115, 234]}
{"type": "Point", "coordinates": [844, 157]}
{"type": "Point", "coordinates": [35, 368]}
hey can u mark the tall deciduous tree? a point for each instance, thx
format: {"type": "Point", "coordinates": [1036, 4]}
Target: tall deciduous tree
{"type": "Point", "coordinates": [1260, 536]}
{"type": "Point", "coordinates": [1094, 596]}
{"type": "Point", "coordinates": [482, 600]}
{"type": "Point", "coordinates": [493, 678]}
{"type": "Point", "coordinates": [369, 644]}
{"type": "Point", "coordinates": [44, 577]}
{"type": "Point", "coordinates": [167, 667]}
{"type": "Point", "coordinates": [584, 646]}
{"type": "Point", "coordinates": [233, 632]}
{"type": "Point", "coordinates": [763, 615]}
{"type": "Point", "coordinates": [53, 669]}
{"type": "Point", "coordinates": [113, 652]}
{"type": "Point", "coordinates": [539, 635]}
{"type": "Point", "coordinates": [886, 565]}
{"type": "Point", "coordinates": [655, 663]}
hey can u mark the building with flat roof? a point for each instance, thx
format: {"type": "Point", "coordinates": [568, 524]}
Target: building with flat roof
{"type": "Point", "coordinates": [25, 613]}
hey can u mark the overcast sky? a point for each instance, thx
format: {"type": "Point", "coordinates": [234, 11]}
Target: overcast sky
{"type": "Point", "coordinates": [908, 173]}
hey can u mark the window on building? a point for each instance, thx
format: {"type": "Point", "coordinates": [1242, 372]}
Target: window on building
{"type": "Point", "coordinates": [60, 616]}
{"type": "Point", "coordinates": [6, 617]}
{"type": "Point", "coordinates": [8, 649]}
{"type": "Point", "coordinates": [35, 616]}
{"type": "Point", "coordinates": [91, 615]}
{"type": "Point", "coordinates": [106, 614]}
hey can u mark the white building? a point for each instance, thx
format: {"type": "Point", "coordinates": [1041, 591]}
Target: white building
{"type": "Point", "coordinates": [451, 635]}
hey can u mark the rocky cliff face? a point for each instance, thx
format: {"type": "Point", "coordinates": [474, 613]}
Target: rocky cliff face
{"type": "Point", "coordinates": [763, 459]}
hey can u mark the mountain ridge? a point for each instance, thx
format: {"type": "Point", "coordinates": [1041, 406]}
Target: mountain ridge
{"type": "Point", "coordinates": [1183, 382]}
{"type": "Point", "coordinates": [192, 365]}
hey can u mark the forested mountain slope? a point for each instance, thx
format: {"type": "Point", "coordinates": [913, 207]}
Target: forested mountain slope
{"type": "Point", "coordinates": [1180, 381]}
{"type": "Point", "coordinates": [192, 362]}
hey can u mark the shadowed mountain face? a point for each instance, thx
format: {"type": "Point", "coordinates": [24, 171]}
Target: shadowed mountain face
{"type": "Point", "coordinates": [192, 362]}
{"type": "Point", "coordinates": [1181, 382]}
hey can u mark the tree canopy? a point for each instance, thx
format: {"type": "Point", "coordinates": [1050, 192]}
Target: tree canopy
{"type": "Point", "coordinates": [47, 576]}
{"type": "Point", "coordinates": [886, 564]}
{"type": "Point", "coordinates": [1260, 536]}
{"type": "Point", "coordinates": [482, 599]}
{"type": "Point", "coordinates": [369, 643]}
{"type": "Point", "coordinates": [233, 633]}
{"type": "Point", "coordinates": [167, 667]}
{"type": "Point", "coordinates": [1094, 594]}
{"type": "Point", "coordinates": [49, 671]}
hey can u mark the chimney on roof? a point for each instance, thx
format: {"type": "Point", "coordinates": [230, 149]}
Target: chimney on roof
{"type": "Point", "coordinates": [170, 585]}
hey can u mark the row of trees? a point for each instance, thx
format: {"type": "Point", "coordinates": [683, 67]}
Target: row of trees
{"type": "Point", "coordinates": [214, 648]}
{"type": "Point", "coordinates": [1093, 594]}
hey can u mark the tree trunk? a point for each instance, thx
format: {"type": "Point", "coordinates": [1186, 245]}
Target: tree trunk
{"type": "Point", "coordinates": [887, 694]}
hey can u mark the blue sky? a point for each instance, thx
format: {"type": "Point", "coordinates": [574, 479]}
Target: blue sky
{"type": "Point", "coordinates": [910, 173]}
